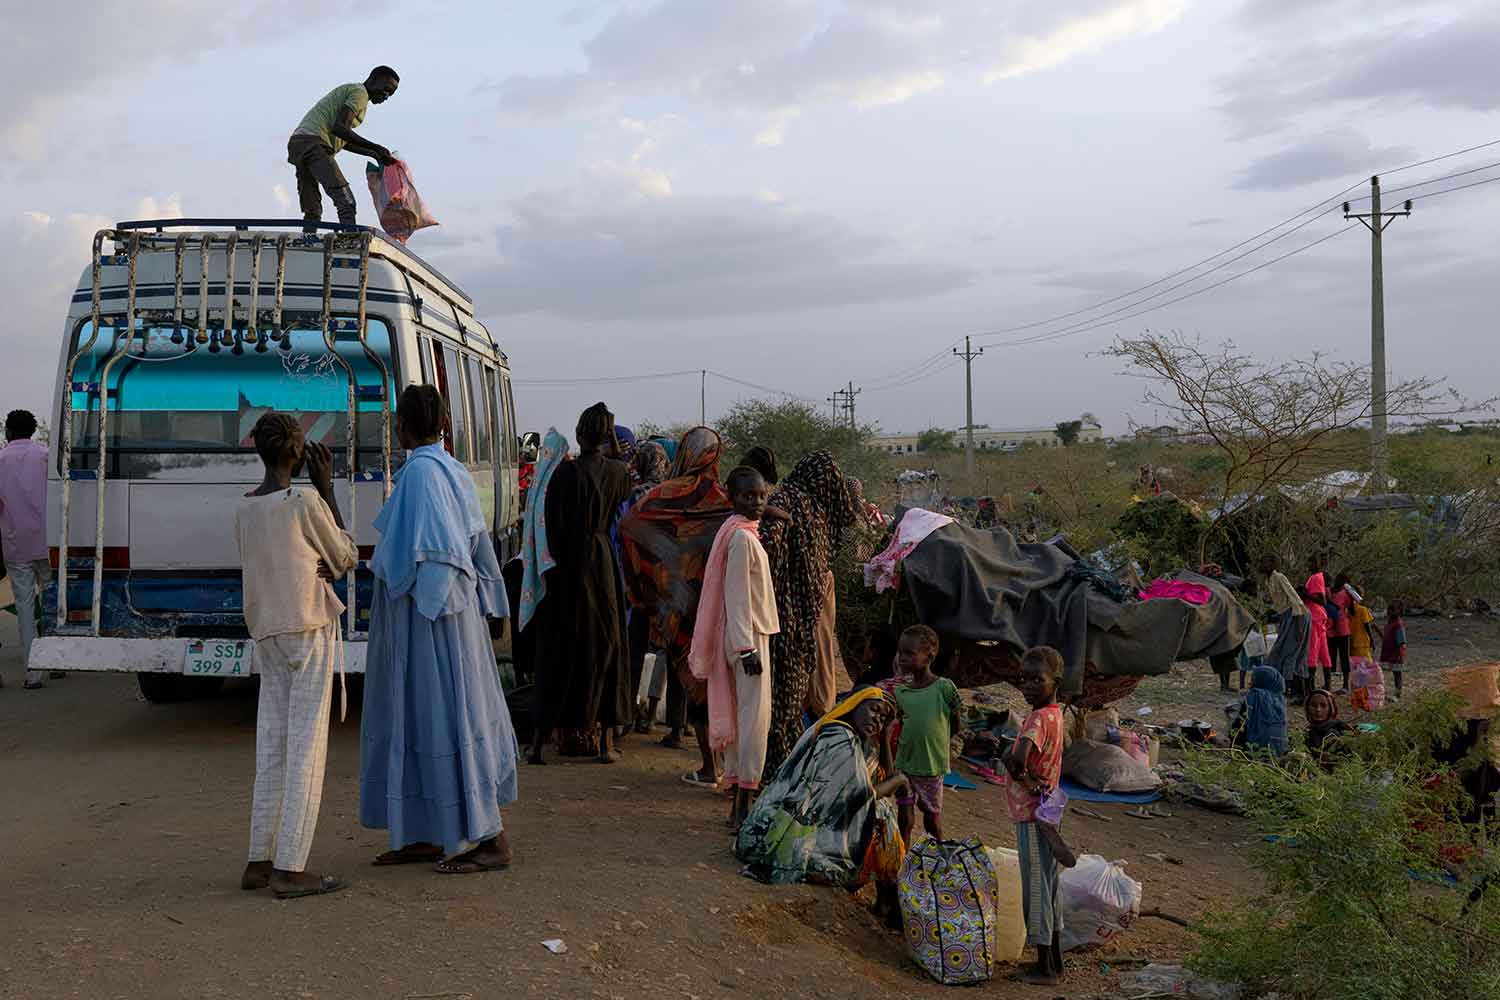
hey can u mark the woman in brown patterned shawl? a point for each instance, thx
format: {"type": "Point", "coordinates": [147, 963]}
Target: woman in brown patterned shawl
{"type": "Point", "coordinates": [665, 540]}
{"type": "Point", "coordinates": [821, 505]}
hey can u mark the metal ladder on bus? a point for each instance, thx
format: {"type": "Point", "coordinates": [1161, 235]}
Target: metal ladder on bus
{"type": "Point", "coordinates": [234, 336]}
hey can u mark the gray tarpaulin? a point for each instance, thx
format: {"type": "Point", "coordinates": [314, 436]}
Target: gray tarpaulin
{"type": "Point", "coordinates": [984, 586]}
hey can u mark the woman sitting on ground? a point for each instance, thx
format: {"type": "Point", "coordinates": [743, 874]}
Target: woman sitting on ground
{"type": "Point", "coordinates": [827, 817]}
{"type": "Point", "coordinates": [1262, 720]}
{"type": "Point", "coordinates": [1324, 727]}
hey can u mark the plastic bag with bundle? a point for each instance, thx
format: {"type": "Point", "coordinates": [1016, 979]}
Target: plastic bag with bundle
{"type": "Point", "coordinates": [397, 202]}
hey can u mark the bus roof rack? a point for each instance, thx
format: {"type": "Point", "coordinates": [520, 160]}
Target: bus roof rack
{"type": "Point", "coordinates": [244, 225]}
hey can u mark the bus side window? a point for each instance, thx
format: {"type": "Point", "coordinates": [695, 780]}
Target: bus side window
{"type": "Point", "coordinates": [483, 419]}
{"type": "Point", "coordinates": [424, 357]}
{"type": "Point", "coordinates": [442, 387]}
{"type": "Point", "coordinates": [510, 450]}
{"type": "Point", "coordinates": [458, 405]}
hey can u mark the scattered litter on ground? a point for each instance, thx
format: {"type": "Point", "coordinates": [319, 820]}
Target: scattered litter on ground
{"type": "Point", "coordinates": [1175, 981]}
{"type": "Point", "coordinates": [556, 946]}
{"type": "Point", "coordinates": [1143, 711]}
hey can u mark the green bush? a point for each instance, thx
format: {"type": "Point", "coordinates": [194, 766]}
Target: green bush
{"type": "Point", "coordinates": [1354, 905]}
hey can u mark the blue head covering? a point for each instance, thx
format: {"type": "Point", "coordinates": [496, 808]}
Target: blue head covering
{"type": "Point", "coordinates": [626, 437]}
{"type": "Point", "coordinates": [1265, 710]}
{"type": "Point", "coordinates": [428, 530]}
{"type": "Point", "coordinates": [536, 554]}
{"type": "Point", "coordinates": [668, 445]}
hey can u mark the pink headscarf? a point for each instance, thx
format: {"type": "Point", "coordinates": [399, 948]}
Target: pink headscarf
{"type": "Point", "coordinates": [707, 660]}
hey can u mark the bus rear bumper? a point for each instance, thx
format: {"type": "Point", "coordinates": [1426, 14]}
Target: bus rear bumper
{"type": "Point", "coordinates": [139, 656]}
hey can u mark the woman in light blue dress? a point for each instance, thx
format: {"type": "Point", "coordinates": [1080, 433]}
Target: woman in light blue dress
{"type": "Point", "coordinates": [437, 751]}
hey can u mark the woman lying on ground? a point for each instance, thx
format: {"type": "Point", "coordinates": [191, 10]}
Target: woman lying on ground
{"type": "Point", "coordinates": [827, 817]}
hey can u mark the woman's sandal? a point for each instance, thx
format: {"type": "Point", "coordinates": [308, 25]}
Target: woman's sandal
{"type": "Point", "coordinates": [468, 866]}
{"type": "Point", "coordinates": [325, 885]}
{"type": "Point", "coordinates": [407, 856]}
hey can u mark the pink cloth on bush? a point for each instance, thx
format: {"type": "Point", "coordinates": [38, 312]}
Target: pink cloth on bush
{"type": "Point", "coordinates": [1193, 593]}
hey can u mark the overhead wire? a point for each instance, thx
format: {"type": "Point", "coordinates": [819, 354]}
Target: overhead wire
{"type": "Point", "coordinates": [1319, 207]}
{"type": "Point", "coordinates": [1430, 180]}
{"type": "Point", "coordinates": [942, 360]}
{"type": "Point", "coordinates": [1088, 325]}
{"type": "Point", "coordinates": [595, 379]}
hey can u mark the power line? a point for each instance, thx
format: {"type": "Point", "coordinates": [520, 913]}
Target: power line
{"type": "Point", "coordinates": [763, 388]}
{"type": "Point", "coordinates": [1435, 159]}
{"type": "Point", "coordinates": [1431, 180]}
{"type": "Point", "coordinates": [1326, 203]}
{"type": "Point", "coordinates": [952, 364]}
{"type": "Point", "coordinates": [1457, 187]}
{"type": "Point", "coordinates": [1088, 325]}
{"type": "Point", "coordinates": [597, 379]}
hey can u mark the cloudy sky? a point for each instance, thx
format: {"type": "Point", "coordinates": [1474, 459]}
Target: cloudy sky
{"type": "Point", "coordinates": [800, 193]}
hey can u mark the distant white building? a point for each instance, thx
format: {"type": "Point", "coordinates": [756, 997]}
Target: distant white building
{"type": "Point", "coordinates": [990, 439]}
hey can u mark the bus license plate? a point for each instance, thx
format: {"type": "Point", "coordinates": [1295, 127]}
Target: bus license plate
{"type": "Point", "coordinates": [218, 658]}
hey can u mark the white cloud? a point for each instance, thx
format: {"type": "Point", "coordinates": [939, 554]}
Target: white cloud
{"type": "Point", "coordinates": [169, 207]}
{"type": "Point", "coordinates": [773, 133]}
{"type": "Point", "coordinates": [780, 54]}
{"type": "Point", "coordinates": [57, 52]}
{"type": "Point", "coordinates": [1077, 36]}
{"type": "Point", "coordinates": [283, 197]}
{"type": "Point", "coordinates": [598, 250]}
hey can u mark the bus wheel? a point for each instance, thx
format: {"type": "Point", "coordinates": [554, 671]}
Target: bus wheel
{"type": "Point", "coordinates": [163, 688]}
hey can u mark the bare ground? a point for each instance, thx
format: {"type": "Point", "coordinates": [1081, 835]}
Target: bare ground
{"type": "Point", "coordinates": [122, 836]}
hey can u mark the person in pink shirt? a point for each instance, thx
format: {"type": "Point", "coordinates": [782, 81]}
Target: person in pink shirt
{"type": "Point", "coordinates": [23, 525]}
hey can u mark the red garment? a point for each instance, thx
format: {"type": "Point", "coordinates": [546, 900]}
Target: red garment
{"type": "Point", "coordinates": [1317, 646]}
{"type": "Point", "coordinates": [1345, 604]}
{"type": "Point", "coordinates": [1044, 728]}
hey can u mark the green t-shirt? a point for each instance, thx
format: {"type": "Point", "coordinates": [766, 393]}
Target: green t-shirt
{"type": "Point", "coordinates": [926, 727]}
{"type": "Point", "coordinates": [325, 114]}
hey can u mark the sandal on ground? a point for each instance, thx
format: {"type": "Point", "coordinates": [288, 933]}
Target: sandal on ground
{"type": "Point", "coordinates": [468, 866]}
{"type": "Point", "coordinates": [325, 885]}
{"type": "Point", "coordinates": [696, 780]}
{"type": "Point", "coordinates": [407, 856]}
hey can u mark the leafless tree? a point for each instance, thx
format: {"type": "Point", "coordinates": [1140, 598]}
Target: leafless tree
{"type": "Point", "coordinates": [1276, 423]}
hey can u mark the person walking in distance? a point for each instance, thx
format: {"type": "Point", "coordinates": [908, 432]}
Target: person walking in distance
{"type": "Point", "coordinates": [292, 543]}
{"type": "Point", "coordinates": [23, 527]}
{"type": "Point", "coordinates": [327, 128]}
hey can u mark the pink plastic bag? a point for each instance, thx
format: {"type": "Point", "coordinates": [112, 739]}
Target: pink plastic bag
{"type": "Point", "coordinates": [396, 200]}
{"type": "Point", "coordinates": [1367, 684]}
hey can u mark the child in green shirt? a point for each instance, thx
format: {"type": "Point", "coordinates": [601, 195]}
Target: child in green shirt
{"type": "Point", "coordinates": [929, 717]}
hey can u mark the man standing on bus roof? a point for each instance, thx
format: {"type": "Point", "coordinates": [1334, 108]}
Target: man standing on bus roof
{"type": "Point", "coordinates": [23, 525]}
{"type": "Point", "coordinates": [328, 128]}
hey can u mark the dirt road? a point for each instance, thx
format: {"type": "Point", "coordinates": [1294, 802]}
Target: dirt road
{"type": "Point", "coordinates": [122, 832]}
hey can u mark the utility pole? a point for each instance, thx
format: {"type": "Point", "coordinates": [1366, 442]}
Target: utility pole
{"type": "Point", "coordinates": [968, 354]}
{"type": "Point", "coordinates": [849, 395]}
{"type": "Point", "coordinates": [703, 397]}
{"type": "Point", "coordinates": [837, 399]}
{"type": "Point", "coordinates": [1376, 222]}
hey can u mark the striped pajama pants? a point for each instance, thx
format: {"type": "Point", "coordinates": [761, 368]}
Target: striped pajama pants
{"type": "Point", "coordinates": [1039, 876]}
{"type": "Point", "coordinates": [291, 743]}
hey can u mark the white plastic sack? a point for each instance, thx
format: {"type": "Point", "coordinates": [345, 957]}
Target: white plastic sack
{"type": "Point", "coordinates": [1106, 768]}
{"type": "Point", "coordinates": [1098, 901]}
{"type": "Point", "coordinates": [1010, 917]}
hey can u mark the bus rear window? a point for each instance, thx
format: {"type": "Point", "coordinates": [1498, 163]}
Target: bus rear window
{"type": "Point", "coordinates": [167, 404]}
